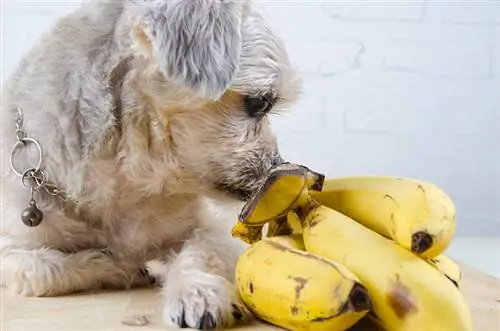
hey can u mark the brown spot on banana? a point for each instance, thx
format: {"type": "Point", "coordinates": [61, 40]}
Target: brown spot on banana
{"type": "Point", "coordinates": [421, 188]}
{"type": "Point", "coordinates": [313, 223]}
{"type": "Point", "coordinates": [301, 283]}
{"type": "Point", "coordinates": [322, 319]}
{"type": "Point", "coordinates": [387, 196]}
{"type": "Point", "coordinates": [294, 310]}
{"type": "Point", "coordinates": [250, 288]}
{"type": "Point", "coordinates": [400, 300]}
{"type": "Point", "coordinates": [454, 282]}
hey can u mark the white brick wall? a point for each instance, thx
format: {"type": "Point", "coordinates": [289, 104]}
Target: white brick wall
{"type": "Point", "coordinates": [407, 88]}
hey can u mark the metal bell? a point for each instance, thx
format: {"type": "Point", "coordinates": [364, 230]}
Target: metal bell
{"type": "Point", "coordinates": [32, 216]}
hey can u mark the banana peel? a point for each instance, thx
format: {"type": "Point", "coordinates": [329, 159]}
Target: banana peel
{"type": "Point", "coordinates": [286, 188]}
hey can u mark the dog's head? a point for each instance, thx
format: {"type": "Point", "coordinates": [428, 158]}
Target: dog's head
{"type": "Point", "coordinates": [216, 73]}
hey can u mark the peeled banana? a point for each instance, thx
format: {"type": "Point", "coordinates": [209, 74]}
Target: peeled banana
{"type": "Point", "coordinates": [289, 182]}
{"type": "Point", "coordinates": [408, 294]}
{"type": "Point", "coordinates": [417, 215]}
{"type": "Point", "coordinates": [296, 290]}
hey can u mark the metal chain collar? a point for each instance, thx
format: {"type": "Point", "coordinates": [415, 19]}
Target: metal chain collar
{"type": "Point", "coordinates": [34, 179]}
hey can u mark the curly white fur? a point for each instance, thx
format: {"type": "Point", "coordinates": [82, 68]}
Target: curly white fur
{"type": "Point", "coordinates": [141, 108]}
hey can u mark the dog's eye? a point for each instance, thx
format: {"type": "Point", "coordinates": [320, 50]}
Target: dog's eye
{"type": "Point", "coordinates": [257, 106]}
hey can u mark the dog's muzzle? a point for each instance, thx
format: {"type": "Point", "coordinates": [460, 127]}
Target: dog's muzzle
{"type": "Point", "coordinates": [244, 189]}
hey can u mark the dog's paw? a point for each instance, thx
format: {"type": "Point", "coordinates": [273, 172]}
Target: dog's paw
{"type": "Point", "coordinates": [28, 278]}
{"type": "Point", "coordinates": [26, 286]}
{"type": "Point", "coordinates": [203, 302]}
{"type": "Point", "coordinates": [30, 283]}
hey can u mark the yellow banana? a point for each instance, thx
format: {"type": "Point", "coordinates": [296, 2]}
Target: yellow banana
{"type": "Point", "coordinates": [417, 215]}
{"type": "Point", "coordinates": [407, 293]}
{"type": "Point", "coordinates": [296, 290]}
{"type": "Point", "coordinates": [286, 187]}
{"type": "Point", "coordinates": [448, 267]}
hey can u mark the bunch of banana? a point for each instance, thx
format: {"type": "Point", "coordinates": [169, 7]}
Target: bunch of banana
{"type": "Point", "coordinates": [337, 253]}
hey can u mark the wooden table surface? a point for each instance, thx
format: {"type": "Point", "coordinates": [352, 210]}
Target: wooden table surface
{"type": "Point", "coordinates": [117, 311]}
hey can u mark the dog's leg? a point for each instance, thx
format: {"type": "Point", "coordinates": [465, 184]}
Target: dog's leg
{"type": "Point", "coordinates": [49, 272]}
{"type": "Point", "coordinates": [199, 289]}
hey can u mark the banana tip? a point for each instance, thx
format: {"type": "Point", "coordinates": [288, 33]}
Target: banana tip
{"type": "Point", "coordinates": [420, 242]}
{"type": "Point", "coordinates": [359, 300]}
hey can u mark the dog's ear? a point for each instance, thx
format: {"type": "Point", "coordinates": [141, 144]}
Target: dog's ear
{"type": "Point", "coordinates": [196, 43]}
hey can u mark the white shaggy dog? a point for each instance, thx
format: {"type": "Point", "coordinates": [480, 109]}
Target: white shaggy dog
{"type": "Point", "coordinates": [142, 109]}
